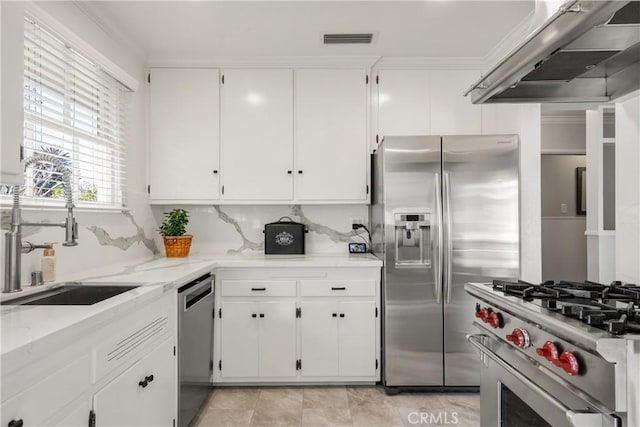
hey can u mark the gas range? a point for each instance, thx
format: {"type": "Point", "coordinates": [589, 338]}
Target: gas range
{"type": "Point", "coordinates": [576, 345]}
{"type": "Point", "coordinates": [614, 308]}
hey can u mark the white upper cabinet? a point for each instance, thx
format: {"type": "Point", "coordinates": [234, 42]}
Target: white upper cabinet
{"type": "Point", "coordinates": [499, 119]}
{"type": "Point", "coordinates": [451, 112]}
{"type": "Point", "coordinates": [257, 135]}
{"type": "Point", "coordinates": [403, 102]}
{"type": "Point", "coordinates": [184, 135]}
{"type": "Point", "coordinates": [11, 87]}
{"type": "Point", "coordinates": [331, 135]}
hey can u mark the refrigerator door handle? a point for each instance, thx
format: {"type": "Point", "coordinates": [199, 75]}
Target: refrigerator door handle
{"type": "Point", "coordinates": [448, 253]}
{"type": "Point", "coordinates": [439, 240]}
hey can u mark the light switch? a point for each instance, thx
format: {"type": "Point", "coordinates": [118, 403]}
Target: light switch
{"type": "Point", "coordinates": [563, 207]}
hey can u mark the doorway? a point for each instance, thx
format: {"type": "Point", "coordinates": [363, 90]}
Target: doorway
{"type": "Point", "coordinates": [564, 244]}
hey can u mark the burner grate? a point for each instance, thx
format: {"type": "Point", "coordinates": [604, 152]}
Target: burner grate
{"type": "Point", "coordinates": [593, 303]}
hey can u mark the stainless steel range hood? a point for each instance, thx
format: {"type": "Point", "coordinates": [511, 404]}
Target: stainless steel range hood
{"type": "Point", "coordinates": [587, 51]}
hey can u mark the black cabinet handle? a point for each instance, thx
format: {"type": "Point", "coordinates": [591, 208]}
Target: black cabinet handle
{"type": "Point", "coordinates": [338, 289]}
{"type": "Point", "coordinates": [341, 314]}
{"type": "Point", "coordinates": [215, 171]}
{"type": "Point", "coordinates": [261, 314]}
{"type": "Point", "coordinates": [16, 423]}
{"type": "Point", "coordinates": [289, 172]}
{"type": "Point", "coordinates": [258, 289]}
{"type": "Point", "coordinates": [149, 378]}
{"type": "Point", "coordinates": [254, 315]}
{"type": "Point", "coordinates": [299, 172]}
{"type": "Point", "coordinates": [143, 383]}
{"type": "Point", "coordinates": [334, 314]}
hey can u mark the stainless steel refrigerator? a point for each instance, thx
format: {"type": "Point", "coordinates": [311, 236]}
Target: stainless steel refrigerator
{"type": "Point", "coordinates": [445, 211]}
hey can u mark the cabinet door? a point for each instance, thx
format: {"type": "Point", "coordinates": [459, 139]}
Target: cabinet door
{"type": "Point", "coordinates": [184, 134]}
{"type": "Point", "coordinates": [11, 87]}
{"type": "Point", "coordinates": [125, 401]}
{"type": "Point", "coordinates": [498, 119]}
{"type": "Point", "coordinates": [451, 112]}
{"type": "Point", "coordinates": [76, 416]}
{"type": "Point", "coordinates": [331, 135]}
{"type": "Point", "coordinates": [239, 328]}
{"type": "Point", "coordinates": [319, 339]}
{"type": "Point", "coordinates": [403, 103]}
{"type": "Point", "coordinates": [257, 135]}
{"type": "Point", "coordinates": [357, 339]}
{"type": "Point", "coordinates": [277, 339]}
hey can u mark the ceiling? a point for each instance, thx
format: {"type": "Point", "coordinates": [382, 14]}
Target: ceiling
{"type": "Point", "coordinates": [196, 30]}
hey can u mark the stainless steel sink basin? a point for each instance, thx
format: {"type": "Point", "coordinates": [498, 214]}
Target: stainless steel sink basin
{"type": "Point", "coordinates": [71, 294]}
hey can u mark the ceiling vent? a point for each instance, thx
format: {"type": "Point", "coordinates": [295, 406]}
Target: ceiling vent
{"type": "Point", "coordinates": [348, 38]}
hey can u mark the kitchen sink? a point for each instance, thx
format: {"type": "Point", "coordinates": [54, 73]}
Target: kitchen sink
{"type": "Point", "coordinates": [71, 294]}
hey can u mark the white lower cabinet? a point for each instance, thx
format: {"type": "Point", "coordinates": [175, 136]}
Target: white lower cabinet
{"type": "Point", "coordinates": [142, 395]}
{"type": "Point", "coordinates": [320, 327]}
{"type": "Point", "coordinates": [258, 339]}
{"type": "Point", "coordinates": [338, 339]}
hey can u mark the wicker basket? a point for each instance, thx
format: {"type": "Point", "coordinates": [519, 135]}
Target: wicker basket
{"type": "Point", "coordinates": [177, 246]}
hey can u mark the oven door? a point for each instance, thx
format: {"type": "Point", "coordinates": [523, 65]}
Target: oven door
{"type": "Point", "coordinates": [514, 392]}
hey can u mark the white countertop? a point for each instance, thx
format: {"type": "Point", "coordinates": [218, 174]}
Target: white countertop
{"type": "Point", "coordinates": [31, 326]}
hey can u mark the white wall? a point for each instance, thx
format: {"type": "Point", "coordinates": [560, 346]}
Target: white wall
{"type": "Point", "coordinates": [628, 189]}
{"type": "Point", "coordinates": [104, 237]}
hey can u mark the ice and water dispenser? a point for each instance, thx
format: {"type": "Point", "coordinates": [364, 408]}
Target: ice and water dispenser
{"type": "Point", "coordinates": [413, 247]}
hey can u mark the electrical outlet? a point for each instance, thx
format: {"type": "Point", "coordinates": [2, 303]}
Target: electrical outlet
{"type": "Point", "coordinates": [357, 221]}
{"type": "Point", "coordinates": [563, 208]}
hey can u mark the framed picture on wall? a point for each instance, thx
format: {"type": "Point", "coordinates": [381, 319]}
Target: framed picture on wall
{"type": "Point", "coordinates": [581, 191]}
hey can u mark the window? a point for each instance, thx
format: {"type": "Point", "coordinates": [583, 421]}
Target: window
{"type": "Point", "coordinates": [74, 111]}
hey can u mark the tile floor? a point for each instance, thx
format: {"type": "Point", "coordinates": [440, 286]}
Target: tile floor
{"type": "Point", "coordinates": [337, 407]}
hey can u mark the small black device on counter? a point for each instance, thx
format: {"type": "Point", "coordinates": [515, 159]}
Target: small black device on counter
{"type": "Point", "coordinates": [357, 248]}
{"type": "Point", "coordinates": [284, 237]}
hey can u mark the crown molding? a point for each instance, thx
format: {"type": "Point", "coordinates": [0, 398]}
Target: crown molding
{"type": "Point", "coordinates": [268, 62]}
{"type": "Point", "coordinates": [448, 63]}
{"type": "Point", "coordinates": [564, 119]}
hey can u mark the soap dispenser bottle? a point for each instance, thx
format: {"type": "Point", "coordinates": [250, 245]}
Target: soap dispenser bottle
{"type": "Point", "coordinates": [49, 264]}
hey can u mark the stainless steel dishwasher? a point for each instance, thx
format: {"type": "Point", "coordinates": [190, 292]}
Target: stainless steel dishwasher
{"type": "Point", "coordinates": [195, 338]}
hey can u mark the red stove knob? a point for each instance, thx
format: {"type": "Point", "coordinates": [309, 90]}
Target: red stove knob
{"type": "Point", "coordinates": [549, 351]}
{"type": "Point", "coordinates": [484, 314]}
{"type": "Point", "coordinates": [495, 320]}
{"type": "Point", "coordinates": [569, 362]}
{"type": "Point", "coordinates": [520, 338]}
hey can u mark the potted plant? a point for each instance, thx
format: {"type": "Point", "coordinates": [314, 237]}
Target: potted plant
{"type": "Point", "coordinates": [176, 243]}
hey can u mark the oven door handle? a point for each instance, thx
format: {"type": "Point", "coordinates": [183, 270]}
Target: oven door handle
{"type": "Point", "coordinates": [575, 418]}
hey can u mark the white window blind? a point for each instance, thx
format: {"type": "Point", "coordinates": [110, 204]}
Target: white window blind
{"type": "Point", "coordinates": [76, 112]}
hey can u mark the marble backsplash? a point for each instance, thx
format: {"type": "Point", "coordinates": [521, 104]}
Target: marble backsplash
{"type": "Point", "coordinates": [238, 228]}
{"type": "Point", "coordinates": [115, 237]}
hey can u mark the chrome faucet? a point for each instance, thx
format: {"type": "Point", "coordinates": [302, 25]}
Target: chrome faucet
{"type": "Point", "coordinates": [14, 246]}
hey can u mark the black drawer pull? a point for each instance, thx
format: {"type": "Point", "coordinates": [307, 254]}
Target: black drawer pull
{"type": "Point", "coordinates": [254, 315]}
{"type": "Point", "coordinates": [261, 314]}
{"type": "Point", "coordinates": [149, 378]}
{"type": "Point", "coordinates": [338, 289]}
{"type": "Point", "coordinates": [16, 423]}
{"type": "Point", "coordinates": [258, 289]}
{"type": "Point", "coordinates": [341, 314]}
{"type": "Point", "coordinates": [334, 314]}
{"type": "Point", "coordinates": [143, 383]}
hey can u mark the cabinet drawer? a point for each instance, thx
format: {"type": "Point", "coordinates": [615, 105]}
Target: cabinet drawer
{"type": "Point", "coordinates": [41, 401]}
{"type": "Point", "coordinates": [258, 288]}
{"type": "Point", "coordinates": [331, 288]}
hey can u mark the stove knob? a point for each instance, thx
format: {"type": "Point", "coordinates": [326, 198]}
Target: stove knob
{"type": "Point", "coordinates": [484, 314]}
{"type": "Point", "coordinates": [569, 362]}
{"type": "Point", "coordinates": [495, 320]}
{"type": "Point", "coordinates": [520, 338]}
{"type": "Point", "coordinates": [549, 351]}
